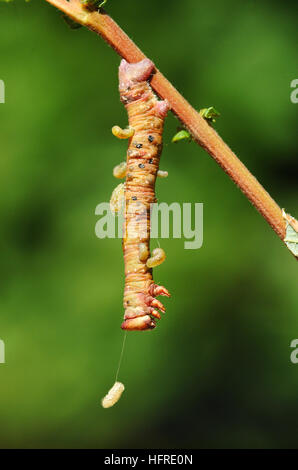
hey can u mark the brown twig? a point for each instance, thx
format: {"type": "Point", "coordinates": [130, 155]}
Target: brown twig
{"type": "Point", "coordinates": [202, 132]}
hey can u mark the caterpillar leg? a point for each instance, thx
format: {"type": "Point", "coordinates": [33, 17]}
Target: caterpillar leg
{"type": "Point", "coordinates": [141, 309]}
{"type": "Point", "coordinates": [157, 304]}
{"type": "Point", "coordinates": [142, 319]}
{"type": "Point", "coordinates": [156, 290]}
{"type": "Point", "coordinates": [156, 314]}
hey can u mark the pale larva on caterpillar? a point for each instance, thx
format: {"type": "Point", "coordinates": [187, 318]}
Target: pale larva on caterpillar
{"type": "Point", "coordinates": [122, 133]}
{"type": "Point", "coordinates": [143, 252]}
{"type": "Point", "coordinates": [158, 257]}
{"type": "Point", "coordinates": [113, 395]}
{"type": "Point", "coordinates": [162, 174]}
{"type": "Point", "coordinates": [119, 171]}
{"type": "Point", "coordinates": [117, 198]}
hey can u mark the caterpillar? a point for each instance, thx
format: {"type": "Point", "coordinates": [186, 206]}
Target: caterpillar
{"type": "Point", "coordinates": [146, 115]}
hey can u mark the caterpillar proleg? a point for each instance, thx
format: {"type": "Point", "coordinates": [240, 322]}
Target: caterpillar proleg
{"type": "Point", "coordinates": [146, 115]}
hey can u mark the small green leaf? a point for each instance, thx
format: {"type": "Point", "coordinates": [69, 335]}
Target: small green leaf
{"type": "Point", "coordinates": [291, 238]}
{"type": "Point", "coordinates": [94, 3]}
{"type": "Point", "coordinates": [209, 114]}
{"type": "Point", "coordinates": [181, 135]}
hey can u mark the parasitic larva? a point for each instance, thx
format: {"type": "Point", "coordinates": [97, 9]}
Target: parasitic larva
{"type": "Point", "coordinates": [146, 115]}
{"type": "Point", "coordinates": [117, 198]}
{"type": "Point", "coordinates": [143, 252]}
{"type": "Point", "coordinates": [123, 133]}
{"type": "Point", "coordinates": [113, 395]}
{"type": "Point", "coordinates": [162, 174]}
{"type": "Point", "coordinates": [157, 258]}
{"type": "Point", "coordinates": [119, 171]}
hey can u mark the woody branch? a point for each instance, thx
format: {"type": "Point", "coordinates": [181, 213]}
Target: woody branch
{"type": "Point", "coordinates": [102, 24]}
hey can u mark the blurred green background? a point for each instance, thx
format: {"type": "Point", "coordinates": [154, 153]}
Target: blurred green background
{"type": "Point", "coordinates": [216, 372]}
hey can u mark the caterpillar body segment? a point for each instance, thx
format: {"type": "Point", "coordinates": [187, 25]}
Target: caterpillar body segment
{"type": "Point", "coordinates": [146, 116]}
{"type": "Point", "coordinates": [139, 323]}
{"type": "Point", "coordinates": [119, 171]}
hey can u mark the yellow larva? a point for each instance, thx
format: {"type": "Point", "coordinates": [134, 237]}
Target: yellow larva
{"type": "Point", "coordinates": [113, 395]}
{"type": "Point", "coordinates": [158, 257]}
{"type": "Point", "coordinates": [117, 198]}
{"type": "Point", "coordinates": [162, 174]}
{"type": "Point", "coordinates": [143, 252]}
{"type": "Point", "coordinates": [120, 170]}
{"type": "Point", "coordinates": [122, 133]}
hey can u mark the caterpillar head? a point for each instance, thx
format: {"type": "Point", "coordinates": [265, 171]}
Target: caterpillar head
{"type": "Point", "coordinates": [130, 74]}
